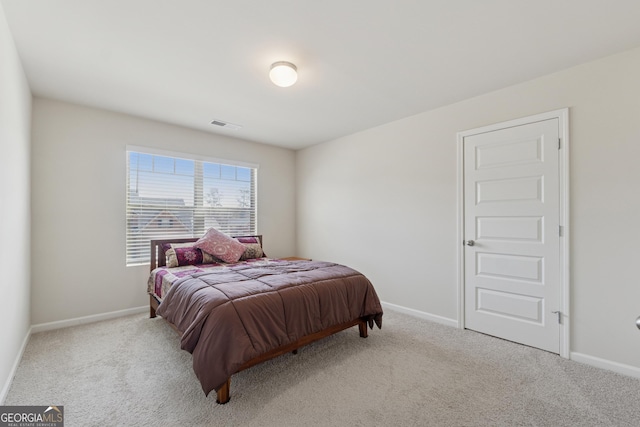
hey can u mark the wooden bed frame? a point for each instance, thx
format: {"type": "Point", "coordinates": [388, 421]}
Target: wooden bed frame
{"type": "Point", "coordinates": [158, 259]}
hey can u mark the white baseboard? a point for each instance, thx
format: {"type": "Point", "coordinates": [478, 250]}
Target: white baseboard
{"type": "Point", "coordinates": [620, 368]}
{"type": "Point", "coordinates": [41, 327]}
{"type": "Point", "coordinates": [421, 314]}
{"type": "Point", "coordinates": [14, 368]}
{"type": "Point", "coordinates": [609, 365]}
{"type": "Point", "coordinates": [58, 325]}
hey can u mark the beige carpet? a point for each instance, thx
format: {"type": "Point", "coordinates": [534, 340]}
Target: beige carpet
{"type": "Point", "coordinates": [131, 372]}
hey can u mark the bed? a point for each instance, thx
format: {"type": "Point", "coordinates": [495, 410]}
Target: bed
{"type": "Point", "coordinates": [232, 316]}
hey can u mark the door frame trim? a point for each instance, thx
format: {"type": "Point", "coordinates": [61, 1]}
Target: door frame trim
{"type": "Point", "coordinates": [563, 164]}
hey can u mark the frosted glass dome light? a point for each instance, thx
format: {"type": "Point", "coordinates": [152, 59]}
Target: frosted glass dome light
{"type": "Point", "coordinates": [283, 74]}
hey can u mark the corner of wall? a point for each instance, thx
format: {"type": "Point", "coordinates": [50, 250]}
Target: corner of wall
{"type": "Point", "coordinates": [15, 205]}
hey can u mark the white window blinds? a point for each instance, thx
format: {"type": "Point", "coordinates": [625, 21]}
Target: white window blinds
{"type": "Point", "coordinates": [180, 197]}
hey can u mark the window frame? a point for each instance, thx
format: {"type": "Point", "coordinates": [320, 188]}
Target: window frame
{"type": "Point", "coordinates": [198, 220]}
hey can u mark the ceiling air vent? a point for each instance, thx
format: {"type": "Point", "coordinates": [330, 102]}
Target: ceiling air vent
{"type": "Point", "coordinates": [226, 125]}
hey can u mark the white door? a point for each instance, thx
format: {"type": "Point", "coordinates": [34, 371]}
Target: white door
{"type": "Point", "coordinates": [512, 280]}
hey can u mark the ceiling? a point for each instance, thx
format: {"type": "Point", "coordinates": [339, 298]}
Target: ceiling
{"type": "Point", "coordinates": [361, 63]}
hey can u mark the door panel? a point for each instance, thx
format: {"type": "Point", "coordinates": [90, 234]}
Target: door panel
{"type": "Point", "coordinates": [516, 229]}
{"type": "Point", "coordinates": [511, 212]}
{"type": "Point", "coordinates": [509, 267]}
{"type": "Point", "coordinates": [519, 307]}
{"type": "Point", "coordinates": [509, 190]}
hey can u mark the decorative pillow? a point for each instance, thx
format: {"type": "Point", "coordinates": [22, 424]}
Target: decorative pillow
{"type": "Point", "coordinates": [220, 246]}
{"type": "Point", "coordinates": [253, 247]}
{"type": "Point", "coordinates": [252, 250]}
{"type": "Point", "coordinates": [248, 239]}
{"type": "Point", "coordinates": [179, 254]}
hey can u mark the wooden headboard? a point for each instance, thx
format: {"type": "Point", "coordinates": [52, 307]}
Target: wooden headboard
{"type": "Point", "coordinates": [159, 258]}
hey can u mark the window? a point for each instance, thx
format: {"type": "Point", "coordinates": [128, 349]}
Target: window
{"type": "Point", "coordinates": [174, 196]}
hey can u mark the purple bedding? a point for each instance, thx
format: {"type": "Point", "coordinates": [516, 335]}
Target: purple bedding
{"type": "Point", "coordinates": [234, 313]}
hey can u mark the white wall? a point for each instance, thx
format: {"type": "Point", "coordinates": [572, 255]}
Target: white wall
{"type": "Point", "coordinates": [15, 124]}
{"type": "Point", "coordinates": [387, 196]}
{"type": "Point", "coordinates": [78, 203]}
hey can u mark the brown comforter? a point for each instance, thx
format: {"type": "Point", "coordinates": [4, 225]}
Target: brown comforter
{"type": "Point", "coordinates": [233, 315]}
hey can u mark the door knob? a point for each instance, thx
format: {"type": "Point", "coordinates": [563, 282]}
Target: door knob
{"type": "Point", "coordinates": [470, 243]}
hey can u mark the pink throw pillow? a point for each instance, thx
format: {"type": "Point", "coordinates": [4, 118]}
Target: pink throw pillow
{"type": "Point", "coordinates": [220, 246]}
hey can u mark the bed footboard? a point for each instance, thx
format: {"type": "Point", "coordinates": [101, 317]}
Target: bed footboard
{"type": "Point", "coordinates": [223, 393]}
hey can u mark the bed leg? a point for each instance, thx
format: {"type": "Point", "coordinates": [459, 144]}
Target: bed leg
{"type": "Point", "coordinates": [152, 311]}
{"type": "Point", "coordinates": [223, 393]}
{"type": "Point", "coordinates": [362, 326]}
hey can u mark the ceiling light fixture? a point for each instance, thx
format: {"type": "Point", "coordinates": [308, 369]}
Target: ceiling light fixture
{"type": "Point", "coordinates": [283, 73]}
